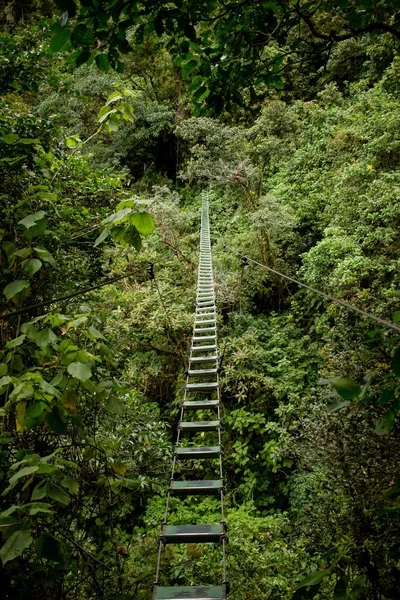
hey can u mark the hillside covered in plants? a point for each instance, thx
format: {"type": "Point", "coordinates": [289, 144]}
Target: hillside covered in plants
{"type": "Point", "coordinates": [114, 117]}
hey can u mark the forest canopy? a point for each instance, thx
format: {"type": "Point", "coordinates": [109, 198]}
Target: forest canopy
{"type": "Point", "coordinates": [114, 117]}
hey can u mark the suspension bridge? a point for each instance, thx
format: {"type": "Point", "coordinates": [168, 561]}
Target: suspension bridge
{"type": "Point", "coordinates": [202, 393]}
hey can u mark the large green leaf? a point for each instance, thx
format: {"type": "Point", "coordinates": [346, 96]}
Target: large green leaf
{"type": "Point", "coordinates": [82, 36]}
{"type": "Point", "coordinates": [118, 216]}
{"type": "Point", "coordinates": [313, 578]}
{"type": "Point", "coordinates": [22, 473]}
{"type": "Point", "coordinates": [70, 483]}
{"type": "Point", "coordinates": [79, 371]}
{"type": "Point", "coordinates": [94, 333]}
{"type": "Point", "coordinates": [3, 369]}
{"type": "Point", "coordinates": [104, 113]}
{"type": "Point", "coordinates": [102, 62]}
{"type": "Point", "coordinates": [10, 138]}
{"type": "Point", "coordinates": [45, 338]}
{"type": "Point", "coordinates": [39, 507]}
{"type": "Point", "coordinates": [385, 425]}
{"type": "Point", "coordinates": [16, 289]}
{"type": "Point", "coordinates": [189, 67]}
{"type": "Point", "coordinates": [80, 57]}
{"type": "Point", "coordinates": [103, 235]}
{"type": "Point", "coordinates": [337, 405]}
{"type": "Point", "coordinates": [59, 39]}
{"type": "Point", "coordinates": [45, 255]}
{"type": "Point", "coordinates": [143, 222]}
{"type": "Point", "coordinates": [346, 388]}
{"type": "Point", "coordinates": [15, 342]}
{"type": "Point", "coordinates": [15, 545]}
{"type": "Point", "coordinates": [31, 220]}
{"type": "Point", "coordinates": [39, 491]}
{"type": "Point", "coordinates": [54, 492]}
{"type": "Point", "coordinates": [36, 228]}
{"type": "Point", "coordinates": [115, 405]}
{"type": "Point", "coordinates": [29, 141]}
{"type": "Point", "coordinates": [31, 266]}
{"type": "Point", "coordinates": [127, 235]}
{"type": "Point", "coordinates": [114, 97]}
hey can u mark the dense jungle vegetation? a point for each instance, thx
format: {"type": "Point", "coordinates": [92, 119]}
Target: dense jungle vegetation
{"type": "Point", "coordinates": [114, 116]}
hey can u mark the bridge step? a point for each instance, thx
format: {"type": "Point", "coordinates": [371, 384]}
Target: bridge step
{"type": "Point", "coordinates": [204, 348]}
{"type": "Point", "coordinates": [202, 359]}
{"type": "Point", "coordinates": [192, 534]}
{"type": "Point", "coordinates": [202, 372]}
{"type": "Point", "coordinates": [204, 322]}
{"type": "Point", "coordinates": [195, 426]}
{"type": "Point", "coordinates": [193, 592]}
{"type": "Point", "coordinates": [202, 387]}
{"type": "Point", "coordinates": [199, 452]}
{"type": "Point", "coordinates": [201, 404]}
{"type": "Point", "coordinates": [210, 487]}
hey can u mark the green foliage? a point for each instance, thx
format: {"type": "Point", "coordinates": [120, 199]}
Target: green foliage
{"type": "Point", "coordinates": [222, 51]}
{"type": "Point", "coordinates": [304, 172]}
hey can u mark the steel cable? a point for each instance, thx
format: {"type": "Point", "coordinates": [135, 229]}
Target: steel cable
{"type": "Point", "coordinates": [347, 305]}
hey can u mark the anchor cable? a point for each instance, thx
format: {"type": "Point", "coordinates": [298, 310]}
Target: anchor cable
{"type": "Point", "coordinates": [347, 305]}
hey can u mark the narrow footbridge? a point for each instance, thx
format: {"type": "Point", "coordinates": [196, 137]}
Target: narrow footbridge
{"type": "Point", "coordinates": [202, 393]}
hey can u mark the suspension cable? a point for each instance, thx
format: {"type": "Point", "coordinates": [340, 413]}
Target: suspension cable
{"type": "Point", "coordinates": [323, 294]}
{"type": "Point", "coordinates": [65, 297]}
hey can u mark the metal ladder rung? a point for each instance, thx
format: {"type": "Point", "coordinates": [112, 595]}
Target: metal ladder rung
{"type": "Point", "coordinates": [192, 534]}
{"type": "Point", "coordinates": [204, 348]}
{"type": "Point", "coordinates": [204, 322]}
{"type": "Point", "coordinates": [199, 452]}
{"type": "Point", "coordinates": [203, 487]}
{"type": "Point", "coordinates": [193, 592]}
{"type": "Point", "coordinates": [202, 387]}
{"type": "Point", "coordinates": [203, 359]}
{"type": "Point", "coordinates": [202, 372]}
{"type": "Point", "coordinates": [205, 319]}
{"type": "Point", "coordinates": [200, 404]}
{"type": "Point", "coordinates": [196, 426]}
